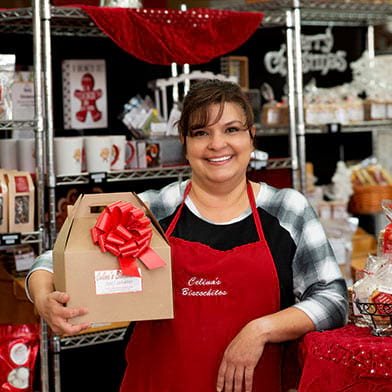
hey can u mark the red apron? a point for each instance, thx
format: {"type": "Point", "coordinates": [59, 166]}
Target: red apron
{"type": "Point", "coordinates": [216, 293]}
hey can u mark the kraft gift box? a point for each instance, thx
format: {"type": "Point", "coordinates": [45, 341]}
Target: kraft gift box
{"type": "Point", "coordinates": [94, 278]}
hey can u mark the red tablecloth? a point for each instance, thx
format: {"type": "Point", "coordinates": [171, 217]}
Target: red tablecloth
{"type": "Point", "coordinates": [347, 359]}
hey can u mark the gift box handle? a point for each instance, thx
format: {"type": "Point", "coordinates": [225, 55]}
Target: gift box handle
{"type": "Point", "coordinates": [91, 205]}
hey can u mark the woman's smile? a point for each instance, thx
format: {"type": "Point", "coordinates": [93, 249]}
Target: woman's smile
{"type": "Point", "coordinates": [220, 160]}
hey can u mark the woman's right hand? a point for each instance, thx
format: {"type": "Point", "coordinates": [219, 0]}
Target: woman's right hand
{"type": "Point", "coordinates": [50, 305]}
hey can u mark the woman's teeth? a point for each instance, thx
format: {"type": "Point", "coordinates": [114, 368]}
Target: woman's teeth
{"type": "Point", "coordinates": [220, 159]}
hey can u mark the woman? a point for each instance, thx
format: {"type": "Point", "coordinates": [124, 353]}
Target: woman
{"type": "Point", "coordinates": [252, 267]}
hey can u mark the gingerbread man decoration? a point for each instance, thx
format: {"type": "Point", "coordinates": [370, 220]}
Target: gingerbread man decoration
{"type": "Point", "coordinates": [88, 97]}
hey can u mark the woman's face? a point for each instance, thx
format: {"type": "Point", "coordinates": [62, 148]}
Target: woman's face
{"type": "Point", "coordinates": [220, 152]}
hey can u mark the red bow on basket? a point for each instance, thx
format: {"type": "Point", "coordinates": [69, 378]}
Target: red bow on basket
{"type": "Point", "coordinates": [125, 231]}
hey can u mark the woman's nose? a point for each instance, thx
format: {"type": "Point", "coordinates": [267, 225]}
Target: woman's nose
{"type": "Point", "coordinates": [217, 140]}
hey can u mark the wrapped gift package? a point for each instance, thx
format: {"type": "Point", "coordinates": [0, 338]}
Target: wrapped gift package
{"type": "Point", "coordinates": [23, 105]}
{"type": "Point", "coordinates": [7, 73]}
{"type": "Point", "coordinates": [112, 257]}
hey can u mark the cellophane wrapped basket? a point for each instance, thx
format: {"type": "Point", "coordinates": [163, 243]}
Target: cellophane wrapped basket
{"type": "Point", "coordinates": [367, 199]}
{"type": "Point", "coordinates": [378, 317]}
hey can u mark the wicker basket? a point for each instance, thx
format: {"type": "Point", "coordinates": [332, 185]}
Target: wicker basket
{"type": "Point", "coordinates": [367, 198]}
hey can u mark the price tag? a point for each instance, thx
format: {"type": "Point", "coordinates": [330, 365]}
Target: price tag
{"type": "Point", "coordinates": [10, 239]}
{"type": "Point", "coordinates": [98, 178]}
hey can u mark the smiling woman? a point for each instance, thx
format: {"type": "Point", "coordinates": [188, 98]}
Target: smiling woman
{"type": "Point", "coordinates": [252, 267]}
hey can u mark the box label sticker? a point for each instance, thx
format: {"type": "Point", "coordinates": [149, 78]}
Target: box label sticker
{"type": "Point", "coordinates": [21, 184]}
{"type": "Point", "coordinates": [114, 282]}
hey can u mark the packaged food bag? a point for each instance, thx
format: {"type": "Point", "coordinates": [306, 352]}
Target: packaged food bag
{"type": "Point", "coordinates": [21, 202]}
{"type": "Point", "coordinates": [18, 353]}
{"type": "Point", "coordinates": [7, 72]}
{"type": "Point", "coordinates": [3, 203]}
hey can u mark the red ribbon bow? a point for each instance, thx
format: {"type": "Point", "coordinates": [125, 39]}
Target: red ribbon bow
{"type": "Point", "coordinates": [125, 231]}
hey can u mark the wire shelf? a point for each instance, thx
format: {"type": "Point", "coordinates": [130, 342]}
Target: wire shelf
{"type": "Point", "coordinates": [153, 173]}
{"type": "Point", "coordinates": [11, 239]}
{"type": "Point", "coordinates": [179, 172]}
{"type": "Point", "coordinates": [366, 126]}
{"type": "Point", "coordinates": [33, 237]}
{"type": "Point", "coordinates": [345, 12]}
{"type": "Point", "coordinates": [73, 21]}
{"type": "Point", "coordinates": [278, 163]}
{"type": "Point", "coordinates": [129, 175]}
{"type": "Point", "coordinates": [65, 21]}
{"type": "Point", "coordinates": [9, 125]}
{"type": "Point", "coordinates": [89, 339]}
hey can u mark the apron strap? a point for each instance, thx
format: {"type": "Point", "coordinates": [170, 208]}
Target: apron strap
{"type": "Point", "coordinates": [174, 221]}
{"type": "Point", "coordinates": [255, 213]}
{"type": "Point", "coordinates": [252, 203]}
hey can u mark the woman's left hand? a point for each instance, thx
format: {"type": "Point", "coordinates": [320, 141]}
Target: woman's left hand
{"type": "Point", "coordinates": [240, 359]}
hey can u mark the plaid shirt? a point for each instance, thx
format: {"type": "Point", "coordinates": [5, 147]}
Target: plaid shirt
{"type": "Point", "coordinates": [318, 285]}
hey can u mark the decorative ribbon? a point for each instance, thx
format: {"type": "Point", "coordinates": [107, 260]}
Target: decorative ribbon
{"type": "Point", "coordinates": [125, 231]}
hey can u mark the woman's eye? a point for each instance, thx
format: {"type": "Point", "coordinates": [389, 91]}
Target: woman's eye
{"type": "Point", "coordinates": [232, 130]}
{"type": "Point", "coordinates": [198, 133]}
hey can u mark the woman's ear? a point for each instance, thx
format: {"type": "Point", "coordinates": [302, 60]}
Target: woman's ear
{"type": "Point", "coordinates": [253, 131]}
{"type": "Point", "coordinates": [182, 140]}
{"type": "Point", "coordinates": [181, 137]}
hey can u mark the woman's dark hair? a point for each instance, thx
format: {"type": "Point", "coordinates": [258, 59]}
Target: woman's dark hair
{"type": "Point", "coordinates": [201, 95]}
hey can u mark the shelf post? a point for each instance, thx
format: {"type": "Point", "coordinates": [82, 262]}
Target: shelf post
{"type": "Point", "coordinates": [48, 117]}
{"type": "Point", "coordinates": [300, 122]}
{"type": "Point", "coordinates": [40, 173]}
{"type": "Point", "coordinates": [291, 99]}
{"type": "Point", "coordinates": [39, 128]}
